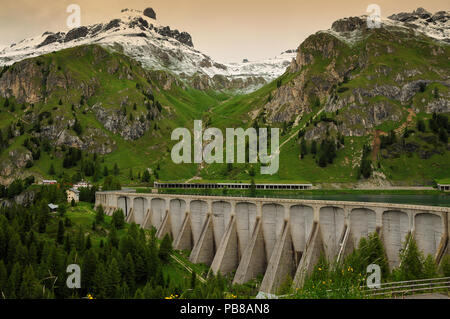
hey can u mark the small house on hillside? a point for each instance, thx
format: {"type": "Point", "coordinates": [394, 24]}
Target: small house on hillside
{"type": "Point", "coordinates": [53, 207]}
{"type": "Point", "coordinates": [74, 194]}
{"type": "Point", "coordinates": [49, 182]}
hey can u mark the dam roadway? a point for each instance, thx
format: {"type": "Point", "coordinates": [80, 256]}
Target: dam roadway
{"type": "Point", "coordinates": [277, 238]}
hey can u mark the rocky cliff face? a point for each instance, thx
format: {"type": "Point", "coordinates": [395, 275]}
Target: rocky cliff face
{"type": "Point", "coordinates": [58, 99]}
{"type": "Point", "coordinates": [364, 76]}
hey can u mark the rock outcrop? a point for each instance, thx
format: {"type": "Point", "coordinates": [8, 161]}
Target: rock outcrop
{"type": "Point", "coordinates": [149, 12]}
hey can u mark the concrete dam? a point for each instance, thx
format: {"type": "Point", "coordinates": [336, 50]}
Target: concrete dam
{"type": "Point", "coordinates": [277, 238]}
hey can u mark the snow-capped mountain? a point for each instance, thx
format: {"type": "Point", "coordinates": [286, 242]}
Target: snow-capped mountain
{"type": "Point", "coordinates": [420, 21]}
{"type": "Point", "coordinates": [139, 35]}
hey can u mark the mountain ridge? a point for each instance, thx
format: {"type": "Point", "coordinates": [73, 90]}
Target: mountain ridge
{"type": "Point", "coordinates": [157, 47]}
{"type": "Point", "coordinates": [343, 96]}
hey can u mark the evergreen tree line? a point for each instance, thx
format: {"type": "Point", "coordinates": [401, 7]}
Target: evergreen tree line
{"type": "Point", "coordinates": [365, 169]}
{"type": "Point", "coordinates": [36, 246]}
{"type": "Point", "coordinates": [16, 187]}
{"type": "Point", "coordinates": [32, 266]}
{"type": "Point", "coordinates": [326, 152]}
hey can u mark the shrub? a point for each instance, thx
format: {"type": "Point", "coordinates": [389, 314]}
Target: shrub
{"type": "Point", "coordinates": [118, 219]}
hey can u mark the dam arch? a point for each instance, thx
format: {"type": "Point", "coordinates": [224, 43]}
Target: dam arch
{"type": "Point", "coordinates": [140, 207]}
{"type": "Point", "coordinates": [428, 232]}
{"type": "Point", "coordinates": [123, 203]}
{"type": "Point", "coordinates": [245, 222]}
{"type": "Point", "coordinates": [332, 225]}
{"type": "Point", "coordinates": [221, 215]}
{"type": "Point", "coordinates": [177, 211]}
{"type": "Point", "coordinates": [396, 226]}
{"type": "Point", "coordinates": [302, 219]}
{"type": "Point", "coordinates": [158, 206]}
{"type": "Point", "coordinates": [363, 222]}
{"type": "Point", "coordinates": [272, 225]}
{"type": "Point", "coordinates": [199, 211]}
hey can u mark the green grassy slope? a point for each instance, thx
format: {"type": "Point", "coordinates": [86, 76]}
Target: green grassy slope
{"type": "Point", "coordinates": [112, 78]}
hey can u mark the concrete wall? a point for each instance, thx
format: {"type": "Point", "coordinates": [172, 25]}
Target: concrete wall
{"type": "Point", "coordinates": [158, 208]}
{"type": "Point", "coordinates": [177, 211]}
{"type": "Point", "coordinates": [221, 215]}
{"type": "Point", "coordinates": [198, 217]}
{"type": "Point", "coordinates": [362, 223]}
{"type": "Point", "coordinates": [396, 226]}
{"type": "Point", "coordinates": [331, 220]}
{"type": "Point", "coordinates": [140, 210]}
{"type": "Point", "coordinates": [429, 229]}
{"type": "Point", "coordinates": [245, 223]}
{"type": "Point", "coordinates": [301, 222]}
{"type": "Point", "coordinates": [277, 238]}
{"type": "Point", "coordinates": [272, 224]}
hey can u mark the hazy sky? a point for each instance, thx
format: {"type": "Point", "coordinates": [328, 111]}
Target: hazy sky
{"type": "Point", "coordinates": [229, 30]}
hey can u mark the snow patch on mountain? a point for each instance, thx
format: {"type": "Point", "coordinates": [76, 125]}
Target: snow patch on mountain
{"type": "Point", "coordinates": [154, 45]}
{"type": "Point", "coordinates": [422, 22]}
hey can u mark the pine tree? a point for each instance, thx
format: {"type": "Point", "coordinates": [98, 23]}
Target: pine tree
{"type": "Point", "coordinates": [30, 287]}
{"type": "Point", "coordinates": [105, 171]}
{"type": "Point", "coordinates": [14, 281]}
{"type": "Point", "coordinates": [252, 188]}
{"type": "Point", "coordinates": [130, 274]}
{"type": "Point", "coordinates": [421, 125]}
{"type": "Point", "coordinates": [430, 269]}
{"type": "Point", "coordinates": [118, 219]}
{"type": "Point", "coordinates": [80, 240]}
{"type": "Point", "coordinates": [193, 279]}
{"type": "Point", "coordinates": [131, 174]}
{"type": "Point", "coordinates": [411, 262]}
{"type": "Point", "coordinates": [100, 281]}
{"type": "Point", "coordinates": [77, 127]}
{"type": "Point", "coordinates": [303, 149]}
{"type": "Point", "coordinates": [89, 268]}
{"type": "Point", "coordinates": [445, 265]}
{"type": "Point", "coordinates": [443, 136]}
{"type": "Point", "coordinates": [114, 279]}
{"type": "Point", "coordinates": [3, 278]}
{"type": "Point", "coordinates": [100, 215]}
{"type": "Point", "coordinates": [314, 147]}
{"type": "Point", "coordinates": [113, 238]}
{"type": "Point", "coordinates": [60, 233]}
{"type": "Point", "coordinates": [116, 170]}
{"type": "Point", "coordinates": [165, 249]}
{"type": "Point", "coordinates": [88, 242]}
{"type": "Point", "coordinates": [146, 176]}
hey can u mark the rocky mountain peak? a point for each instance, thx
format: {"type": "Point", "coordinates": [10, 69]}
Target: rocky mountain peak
{"type": "Point", "coordinates": [437, 25]}
{"type": "Point", "coordinates": [421, 13]}
{"type": "Point", "coordinates": [149, 12]}
{"type": "Point", "coordinates": [349, 24]}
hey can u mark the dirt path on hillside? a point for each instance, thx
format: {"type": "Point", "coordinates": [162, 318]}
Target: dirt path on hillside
{"type": "Point", "coordinates": [377, 133]}
{"type": "Point", "coordinates": [376, 144]}
{"type": "Point", "coordinates": [409, 119]}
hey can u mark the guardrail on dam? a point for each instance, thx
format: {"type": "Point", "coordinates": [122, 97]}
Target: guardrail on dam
{"type": "Point", "coordinates": [278, 237]}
